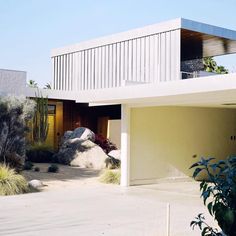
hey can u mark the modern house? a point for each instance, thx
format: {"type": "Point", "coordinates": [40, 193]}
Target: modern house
{"type": "Point", "coordinates": [150, 81]}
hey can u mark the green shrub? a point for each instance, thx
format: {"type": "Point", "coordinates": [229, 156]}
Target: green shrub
{"type": "Point", "coordinates": [218, 193]}
{"type": "Point", "coordinates": [53, 168]}
{"type": "Point", "coordinates": [36, 169]}
{"type": "Point", "coordinates": [15, 113]}
{"type": "Point", "coordinates": [10, 182]}
{"type": "Point", "coordinates": [110, 176]}
{"type": "Point", "coordinates": [39, 153]}
{"type": "Point", "coordinates": [28, 165]}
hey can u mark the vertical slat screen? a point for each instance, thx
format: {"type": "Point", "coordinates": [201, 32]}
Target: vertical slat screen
{"type": "Point", "coordinates": [148, 59]}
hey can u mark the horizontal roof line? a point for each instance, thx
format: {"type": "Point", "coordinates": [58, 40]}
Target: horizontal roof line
{"type": "Point", "coordinates": [12, 70]}
{"type": "Point", "coordinates": [147, 30]}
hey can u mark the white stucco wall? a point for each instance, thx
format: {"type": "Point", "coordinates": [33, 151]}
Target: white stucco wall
{"type": "Point", "coordinates": [114, 131]}
{"type": "Point", "coordinates": [163, 140]}
{"type": "Point", "coordinates": [12, 82]}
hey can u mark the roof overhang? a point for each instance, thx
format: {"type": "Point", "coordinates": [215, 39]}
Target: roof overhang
{"type": "Point", "coordinates": [51, 94]}
{"type": "Point", "coordinates": [212, 91]}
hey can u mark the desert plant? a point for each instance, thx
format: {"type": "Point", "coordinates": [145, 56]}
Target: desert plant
{"type": "Point", "coordinates": [110, 176]}
{"type": "Point", "coordinates": [28, 165]}
{"type": "Point", "coordinates": [14, 114]}
{"type": "Point", "coordinates": [36, 169]}
{"type": "Point", "coordinates": [39, 153]}
{"type": "Point", "coordinates": [40, 120]}
{"type": "Point", "coordinates": [10, 182]}
{"type": "Point", "coordinates": [104, 143]}
{"type": "Point", "coordinates": [219, 193]}
{"type": "Point", "coordinates": [53, 168]}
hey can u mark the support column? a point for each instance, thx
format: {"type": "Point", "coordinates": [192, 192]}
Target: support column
{"type": "Point", "coordinates": [125, 145]}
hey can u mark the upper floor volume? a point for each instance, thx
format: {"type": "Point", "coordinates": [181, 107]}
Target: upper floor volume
{"type": "Point", "coordinates": [167, 51]}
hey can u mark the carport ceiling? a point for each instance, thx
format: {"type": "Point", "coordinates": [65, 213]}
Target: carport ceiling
{"type": "Point", "coordinates": [219, 99]}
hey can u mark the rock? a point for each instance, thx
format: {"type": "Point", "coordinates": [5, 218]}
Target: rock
{"type": "Point", "coordinates": [112, 163]}
{"type": "Point", "coordinates": [36, 184]}
{"type": "Point", "coordinates": [67, 135]}
{"type": "Point", "coordinates": [80, 133]}
{"type": "Point", "coordinates": [115, 154]}
{"type": "Point", "coordinates": [83, 133]}
{"type": "Point", "coordinates": [82, 153]}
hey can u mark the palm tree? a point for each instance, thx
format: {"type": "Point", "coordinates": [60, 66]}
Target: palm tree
{"type": "Point", "coordinates": [221, 70]}
{"type": "Point", "coordinates": [32, 84]}
{"type": "Point", "coordinates": [47, 86]}
{"type": "Point", "coordinates": [210, 65]}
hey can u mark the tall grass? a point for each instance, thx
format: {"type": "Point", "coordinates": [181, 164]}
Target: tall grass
{"type": "Point", "coordinates": [110, 176]}
{"type": "Point", "coordinates": [11, 183]}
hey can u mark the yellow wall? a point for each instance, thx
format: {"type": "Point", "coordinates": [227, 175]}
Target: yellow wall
{"type": "Point", "coordinates": [58, 123]}
{"type": "Point", "coordinates": [51, 131]}
{"type": "Point", "coordinates": [55, 125]}
{"type": "Point", "coordinates": [164, 140]}
{"type": "Point", "coordinates": [114, 131]}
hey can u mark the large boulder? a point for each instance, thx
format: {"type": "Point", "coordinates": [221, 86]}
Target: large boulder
{"type": "Point", "coordinates": [82, 153]}
{"type": "Point", "coordinates": [66, 136]}
{"type": "Point", "coordinates": [81, 133]}
{"type": "Point", "coordinates": [113, 161]}
{"type": "Point", "coordinates": [115, 154]}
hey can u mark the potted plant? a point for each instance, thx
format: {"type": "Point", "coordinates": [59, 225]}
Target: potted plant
{"type": "Point", "coordinates": [218, 193]}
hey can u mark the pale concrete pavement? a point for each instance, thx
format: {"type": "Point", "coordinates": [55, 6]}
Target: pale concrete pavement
{"type": "Point", "coordinates": [102, 210]}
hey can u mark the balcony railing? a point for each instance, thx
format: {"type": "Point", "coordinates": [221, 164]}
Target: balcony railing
{"type": "Point", "coordinates": [195, 74]}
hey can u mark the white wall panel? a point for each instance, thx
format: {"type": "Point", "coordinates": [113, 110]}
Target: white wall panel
{"type": "Point", "coordinates": [106, 66]}
{"type": "Point", "coordinates": [118, 65]}
{"type": "Point", "coordinates": [114, 62]}
{"type": "Point", "coordinates": [138, 67]}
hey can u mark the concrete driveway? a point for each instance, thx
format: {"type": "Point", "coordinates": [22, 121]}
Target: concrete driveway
{"type": "Point", "coordinates": [99, 209]}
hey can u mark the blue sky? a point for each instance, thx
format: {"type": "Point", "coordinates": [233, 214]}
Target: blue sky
{"type": "Point", "coordinates": [31, 28]}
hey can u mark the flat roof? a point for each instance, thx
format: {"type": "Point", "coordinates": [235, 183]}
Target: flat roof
{"type": "Point", "coordinates": [179, 23]}
{"type": "Point", "coordinates": [7, 70]}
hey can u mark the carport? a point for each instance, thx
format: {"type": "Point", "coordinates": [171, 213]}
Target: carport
{"type": "Point", "coordinates": [165, 133]}
{"type": "Point", "coordinates": [168, 126]}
